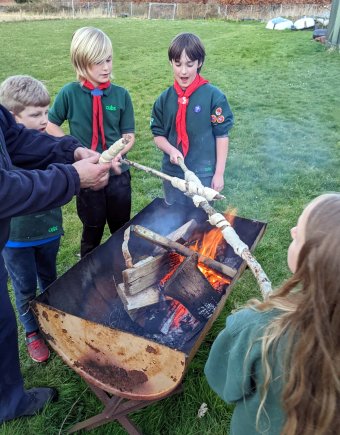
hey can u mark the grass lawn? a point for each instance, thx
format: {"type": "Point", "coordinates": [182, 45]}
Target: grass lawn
{"type": "Point", "coordinates": [284, 90]}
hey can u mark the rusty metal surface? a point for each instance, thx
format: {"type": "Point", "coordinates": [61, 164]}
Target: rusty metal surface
{"type": "Point", "coordinates": [87, 289]}
{"type": "Point", "coordinates": [84, 320]}
{"type": "Point", "coordinates": [115, 361]}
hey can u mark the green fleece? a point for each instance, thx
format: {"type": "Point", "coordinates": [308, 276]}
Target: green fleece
{"type": "Point", "coordinates": [208, 116]}
{"type": "Point", "coordinates": [37, 226]}
{"type": "Point", "coordinates": [74, 104]}
{"type": "Point", "coordinates": [236, 374]}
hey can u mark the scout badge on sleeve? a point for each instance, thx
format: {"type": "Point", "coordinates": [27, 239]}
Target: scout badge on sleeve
{"type": "Point", "coordinates": [217, 117]}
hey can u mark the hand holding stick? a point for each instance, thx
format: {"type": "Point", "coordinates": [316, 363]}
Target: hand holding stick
{"type": "Point", "coordinates": [188, 175]}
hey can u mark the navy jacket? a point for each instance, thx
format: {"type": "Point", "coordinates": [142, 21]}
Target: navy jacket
{"type": "Point", "coordinates": [25, 190]}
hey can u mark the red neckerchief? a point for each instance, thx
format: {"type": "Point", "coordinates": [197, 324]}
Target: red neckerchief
{"type": "Point", "coordinates": [97, 112]}
{"type": "Point", "coordinates": [183, 101]}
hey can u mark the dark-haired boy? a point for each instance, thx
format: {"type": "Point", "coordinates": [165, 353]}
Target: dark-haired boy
{"type": "Point", "coordinates": [191, 120]}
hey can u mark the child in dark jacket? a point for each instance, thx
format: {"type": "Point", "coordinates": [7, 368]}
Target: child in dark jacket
{"type": "Point", "coordinates": [191, 120]}
{"type": "Point", "coordinates": [31, 252]}
{"type": "Point", "coordinates": [278, 360]}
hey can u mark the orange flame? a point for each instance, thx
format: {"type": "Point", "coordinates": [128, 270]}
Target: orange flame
{"type": "Point", "coordinates": [181, 311]}
{"type": "Point", "coordinates": [175, 261]}
{"type": "Point", "coordinates": [208, 247]}
{"type": "Point", "coordinates": [214, 278]}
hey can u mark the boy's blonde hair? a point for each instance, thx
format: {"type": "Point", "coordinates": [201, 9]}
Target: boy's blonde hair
{"type": "Point", "coordinates": [89, 46]}
{"type": "Point", "coordinates": [18, 92]}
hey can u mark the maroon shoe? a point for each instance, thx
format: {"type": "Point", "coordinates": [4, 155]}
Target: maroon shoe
{"type": "Point", "coordinates": [37, 348]}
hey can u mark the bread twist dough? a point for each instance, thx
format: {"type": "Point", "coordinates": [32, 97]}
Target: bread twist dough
{"type": "Point", "coordinates": [191, 176]}
{"type": "Point", "coordinates": [114, 149]}
{"type": "Point", "coordinates": [192, 188]}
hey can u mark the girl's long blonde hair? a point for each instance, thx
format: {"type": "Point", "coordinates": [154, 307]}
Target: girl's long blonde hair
{"type": "Point", "coordinates": [309, 304]}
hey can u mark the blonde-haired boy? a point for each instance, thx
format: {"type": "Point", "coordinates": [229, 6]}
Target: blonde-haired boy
{"type": "Point", "coordinates": [31, 252]}
{"type": "Point", "coordinates": [21, 94]}
{"type": "Point", "coordinates": [99, 113]}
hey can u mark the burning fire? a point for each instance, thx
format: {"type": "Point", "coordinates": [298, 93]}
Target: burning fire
{"type": "Point", "coordinates": [214, 278]}
{"type": "Point", "coordinates": [207, 246]}
{"type": "Point", "coordinates": [175, 261]}
{"type": "Point", "coordinates": [210, 242]}
{"type": "Point", "coordinates": [179, 318]}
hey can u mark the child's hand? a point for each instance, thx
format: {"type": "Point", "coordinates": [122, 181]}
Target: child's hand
{"type": "Point", "coordinates": [217, 182]}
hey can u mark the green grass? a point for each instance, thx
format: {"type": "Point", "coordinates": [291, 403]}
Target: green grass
{"type": "Point", "coordinates": [284, 150]}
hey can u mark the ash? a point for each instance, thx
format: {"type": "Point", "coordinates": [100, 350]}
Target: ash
{"type": "Point", "coordinates": [177, 338]}
{"type": "Point", "coordinates": [119, 319]}
{"type": "Point", "coordinates": [206, 310]}
{"type": "Point", "coordinates": [169, 323]}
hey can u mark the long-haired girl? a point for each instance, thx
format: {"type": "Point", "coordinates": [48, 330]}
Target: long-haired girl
{"type": "Point", "coordinates": [279, 360]}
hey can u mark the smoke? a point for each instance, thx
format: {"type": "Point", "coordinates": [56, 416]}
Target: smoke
{"type": "Point", "coordinates": [286, 158]}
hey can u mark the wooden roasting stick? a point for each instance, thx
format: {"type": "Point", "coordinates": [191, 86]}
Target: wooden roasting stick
{"type": "Point", "coordinates": [170, 245]}
{"type": "Point", "coordinates": [186, 186]}
{"type": "Point", "coordinates": [216, 219]}
{"type": "Point", "coordinates": [125, 248]}
{"type": "Point", "coordinates": [230, 235]}
{"type": "Point", "coordinates": [148, 272]}
{"type": "Point", "coordinates": [114, 150]}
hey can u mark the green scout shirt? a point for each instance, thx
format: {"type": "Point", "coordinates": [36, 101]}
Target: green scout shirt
{"type": "Point", "coordinates": [208, 117]}
{"type": "Point", "coordinates": [74, 103]}
{"type": "Point", "coordinates": [236, 375]}
{"type": "Point", "coordinates": [37, 226]}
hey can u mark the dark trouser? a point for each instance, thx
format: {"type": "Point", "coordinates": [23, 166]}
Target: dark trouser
{"type": "Point", "coordinates": [13, 398]}
{"type": "Point", "coordinates": [27, 267]}
{"type": "Point", "coordinates": [171, 194]}
{"type": "Point", "coordinates": [111, 204]}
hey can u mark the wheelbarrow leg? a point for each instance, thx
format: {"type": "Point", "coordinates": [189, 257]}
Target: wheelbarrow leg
{"type": "Point", "coordinates": [99, 420]}
{"type": "Point", "coordinates": [130, 427]}
{"type": "Point", "coordinates": [116, 408]}
{"type": "Point", "coordinates": [106, 416]}
{"type": "Point", "coordinates": [91, 423]}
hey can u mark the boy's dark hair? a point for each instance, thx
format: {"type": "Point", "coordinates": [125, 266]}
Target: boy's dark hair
{"type": "Point", "coordinates": [192, 45]}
